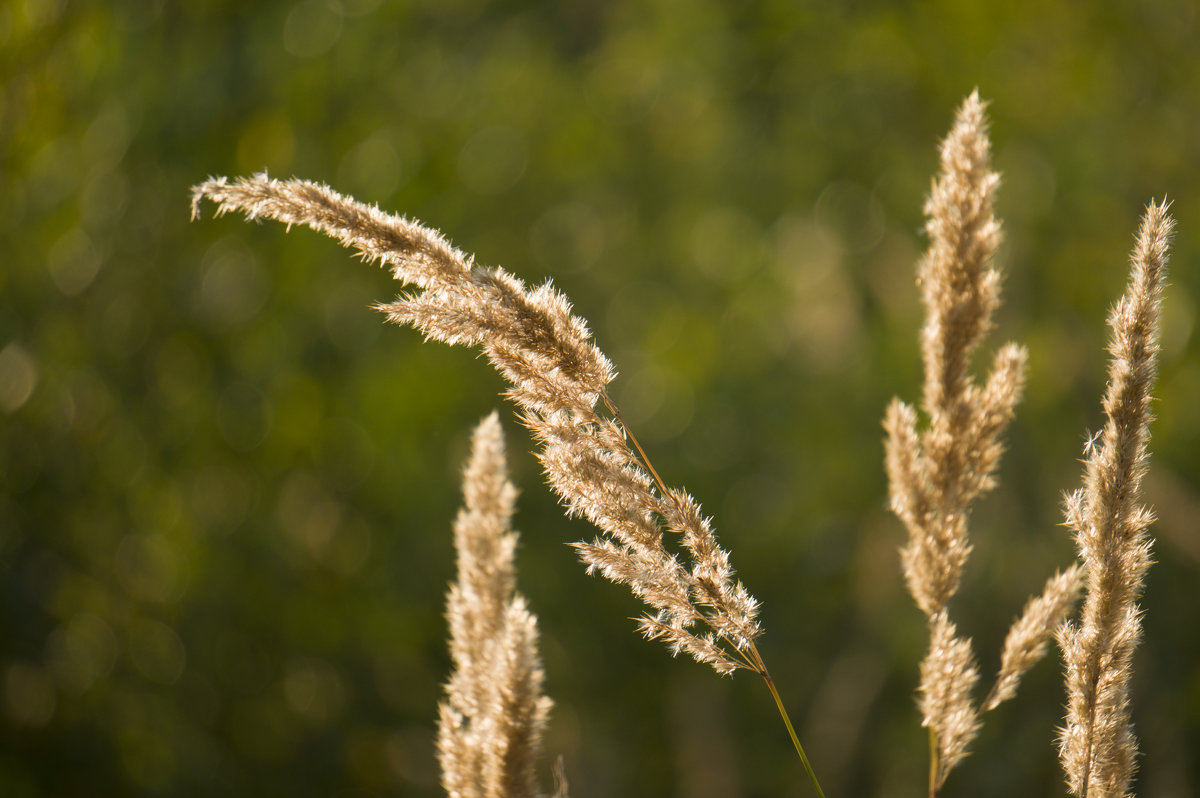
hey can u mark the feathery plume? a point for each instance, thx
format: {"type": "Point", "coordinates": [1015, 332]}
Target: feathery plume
{"type": "Point", "coordinates": [491, 723]}
{"type": "Point", "coordinates": [948, 675]}
{"type": "Point", "coordinates": [1097, 745]}
{"type": "Point", "coordinates": [1025, 644]}
{"type": "Point", "coordinates": [936, 474]}
{"type": "Point", "coordinates": [557, 378]}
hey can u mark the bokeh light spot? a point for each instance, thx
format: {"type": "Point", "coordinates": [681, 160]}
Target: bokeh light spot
{"type": "Point", "coordinates": [29, 696]}
{"type": "Point", "coordinates": [312, 27]}
{"type": "Point", "coordinates": [81, 652]}
{"type": "Point", "coordinates": [314, 690]}
{"type": "Point", "coordinates": [493, 159]}
{"type": "Point", "coordinates": [234, 287]}
{"type": "Point", "coordinates": [73, 262]}
{"type": "Point", "coordinates": [568, 237]}
{"type": "Point", "coordinates": [157, 651]}
{"type": "Point", "coordinates": [18, 377]}
{"type": "Point", "coordinates": [244, 416]}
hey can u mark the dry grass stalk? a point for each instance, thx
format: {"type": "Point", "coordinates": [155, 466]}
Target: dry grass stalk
{"type": "Point", "coordinates": [948, 677]}
{"type": "Point", "coordinates": [1026, 641]}
{"type": "Point", "coordinates": [1097, 746]}
{"type": "Point", "coordinates": [936, 474]}
{"type": "Point", "coordinates": [557, 378]}
{"type": "Point", "coordinates": [491, 723]}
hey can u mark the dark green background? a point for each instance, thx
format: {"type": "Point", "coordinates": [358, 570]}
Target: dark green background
{"type": "Point", "coordinates": [226, 488]}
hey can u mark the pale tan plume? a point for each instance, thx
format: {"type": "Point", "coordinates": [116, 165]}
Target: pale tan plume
{"type": "Point", "coordinates": [948, 677]}
{"type": "Point", "coordinates": [935, 474]}
{"type": "Point", "coordinates": [558, 378]}
{"type": "Point", "coordinates": [491, 723]}
{"type": "Point", "coordinates": [1025, 644]}
{"type": "Point", "coordinates": [1097, 745]}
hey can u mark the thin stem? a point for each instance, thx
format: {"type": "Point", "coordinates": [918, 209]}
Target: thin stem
{"type": "Point", "coordinates": [1090, 747]}
{"type": "Point", "coordinates": [612, 408]}
{"type": "Point", "coordinates": [761, 667]}
{"type": "Point", "coordinates": [933, 763]}
{"type": "Point", "coordinates": [751, 657]}
{"type": "Point", "coordinates": [741, 655]}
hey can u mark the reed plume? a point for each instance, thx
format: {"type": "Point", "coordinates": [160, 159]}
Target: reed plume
{"type": "Point", "coordinates": [1097, 746]}
{"type": "Point", "coordinates": [491, 723]}
{"type": "Point", "coordinates": [936, 474]}
{"type": "Point", "coordinates": [558, 379]}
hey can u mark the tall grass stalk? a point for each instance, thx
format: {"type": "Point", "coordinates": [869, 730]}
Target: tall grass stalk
{"type": "Point", "coordinates": [491, 724]}
{"type": "Point", "coordinates": [936, 473]}
{"type": "Point", "coordinates": [558, 379]}
{"type": "Point", "coordinates": [1097, 745]}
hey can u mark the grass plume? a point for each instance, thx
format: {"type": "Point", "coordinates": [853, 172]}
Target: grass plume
{"type": "Point", "coordinates": [1097, 745]}
{"type": "Point", "coordinates": [490, 725]}
{"type": "Point", "coordinates": [936, 474]}
{"type": "Point", "coordinates": [558, 379]}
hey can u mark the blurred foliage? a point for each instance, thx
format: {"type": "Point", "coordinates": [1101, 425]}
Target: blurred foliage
{"type": "Point", "coordinates": [226, 488]}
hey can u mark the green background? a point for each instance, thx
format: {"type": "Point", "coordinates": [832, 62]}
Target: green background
{"type": "Point", "coordinates": [226, 487]}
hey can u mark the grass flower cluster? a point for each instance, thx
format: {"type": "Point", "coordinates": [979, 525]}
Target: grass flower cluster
{"type": "Point", "coordinates": [491, 724]}
{"type": "Point", "coordinates": [1098, 748]}
{"type": "Point", "coordinates": [657, 540]}
{"type": "Point", "coordinates": [937, 473]}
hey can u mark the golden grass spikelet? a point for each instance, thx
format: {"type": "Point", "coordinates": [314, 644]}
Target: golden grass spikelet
{"type": "Point", "coordinates": [1097, 745]}
{"type": "Point", "coordinates": [948, 676]}
{"type": "Point", "coordinates": [557, 378]}
{"type": "Point", "coordinates": [935, 474]}
{"type": "Point", "coordinates": [1025, 644]}
{"type": "Point", "coordinates": [491, 723]}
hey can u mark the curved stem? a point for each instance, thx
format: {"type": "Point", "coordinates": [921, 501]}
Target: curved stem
{"type": "Point", "coordinates": [761, 667]}
{"type": "Point", "coordinates": [751, 657]}
{"type": "Point", "coordinates": [933, 763]}
{"type": "Point", "coordinates": [612, 408]}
